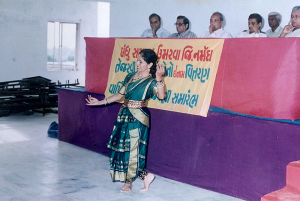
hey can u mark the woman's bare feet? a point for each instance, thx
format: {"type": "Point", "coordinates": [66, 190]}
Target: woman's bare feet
{"type": "Point", "coordinates": [126, 188]}
{"type": "Point", "coordinates": [147, 181]}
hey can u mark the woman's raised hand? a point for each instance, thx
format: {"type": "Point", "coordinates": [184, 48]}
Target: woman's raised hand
{"type": "Point", "coordinates": [160, 70]}
{"type": "Point", "coordinates": [92, 101]}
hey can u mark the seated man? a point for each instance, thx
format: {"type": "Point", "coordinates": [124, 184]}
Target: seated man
{"type": "Point", "coordinates": [182, 25]}
{"type": "Point", "coordinates": [274, 20]}
{"type": "Point", "coordinates": [254, 24]}
{"type": "Point", "coordinates": [215, 27]}
{"type": "Point", "coordinates": [293, 28]}
{"type": "Point", "coordinates": [156, 30]}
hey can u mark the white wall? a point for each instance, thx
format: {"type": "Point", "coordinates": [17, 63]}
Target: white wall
{"type": "Point", "coordinates": [23, 36]}
{"type": "Point", "coordinates": [129, 18]}
{"type": "Point", "coordinates": [103, 19]}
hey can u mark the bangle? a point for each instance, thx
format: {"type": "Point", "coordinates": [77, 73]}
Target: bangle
{"type": "Point", "coordinates": [106, 99]}
{"type": "Point", "coordinates": [160, 85]}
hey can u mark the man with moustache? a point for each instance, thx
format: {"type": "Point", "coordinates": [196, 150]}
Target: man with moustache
{"type": "Point", "coordinates": [182, 26]}
{"type": "Point", "coordinates": [254, 24]}
{"type": "Point", "coordinates": [274, 20]}
{"type": "Point", "coordinates": [293, 28]}
{"type": "Point", "coordinates": [156, 30]}
{"type": "Point", "coordinates": [215, 27]}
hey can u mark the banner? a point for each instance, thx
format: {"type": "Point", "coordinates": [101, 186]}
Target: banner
{"type": "Point", "coordinates": [191, 66]}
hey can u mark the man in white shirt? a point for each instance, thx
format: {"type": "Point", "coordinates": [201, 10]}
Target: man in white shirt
{"type": "Point", "coordinates": [156, 30]}
{"type": "Point", "coordinates": [215, 27]}
{"type": "Point", "coordinates": [293, 28]}
{"type": "Point", "coordinates": [254, 24]}
{"type": "Point", "coordinates": [182, 26]}
{"type": "Point", "coordinates": [274, 20]}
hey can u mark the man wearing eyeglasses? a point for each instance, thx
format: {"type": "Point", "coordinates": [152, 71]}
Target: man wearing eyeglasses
{"type": "Point", "coordinates": [293, 28]}
{"type": "Point", "coordinates": [182, 25]}
{"type": "Point", "coordinates": [156, 30]}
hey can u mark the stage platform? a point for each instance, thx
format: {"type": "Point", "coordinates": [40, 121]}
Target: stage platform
{"type": "Point", "coordinates": [236, 155]}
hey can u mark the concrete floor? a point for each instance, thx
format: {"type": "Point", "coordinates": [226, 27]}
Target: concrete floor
{"type": "Point", "coordinates": [34, 167]}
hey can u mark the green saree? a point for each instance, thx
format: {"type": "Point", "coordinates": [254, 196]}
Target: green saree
{"type": "Point", "coordinates": [128, 141]}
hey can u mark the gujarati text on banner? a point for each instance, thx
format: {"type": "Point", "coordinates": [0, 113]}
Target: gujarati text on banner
{"type": "Point", "coordinates": [191, 67]}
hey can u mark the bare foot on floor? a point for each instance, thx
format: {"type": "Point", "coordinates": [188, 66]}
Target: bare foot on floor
{"type": "Point", "coordinates": [147, 181]}
{"type": "Point", "coordinates": [126, 188]}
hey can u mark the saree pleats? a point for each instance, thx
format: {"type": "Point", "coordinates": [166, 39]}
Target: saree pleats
{"type": "Point", "coordinates": [128, 146]}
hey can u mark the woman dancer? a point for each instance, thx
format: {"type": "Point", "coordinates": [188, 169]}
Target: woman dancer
{"type": "Point", "coordinates": [128, 142]}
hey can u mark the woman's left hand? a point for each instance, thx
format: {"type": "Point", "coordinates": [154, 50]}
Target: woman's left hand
{"type": "Point", "coordinates": [160, 71]}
